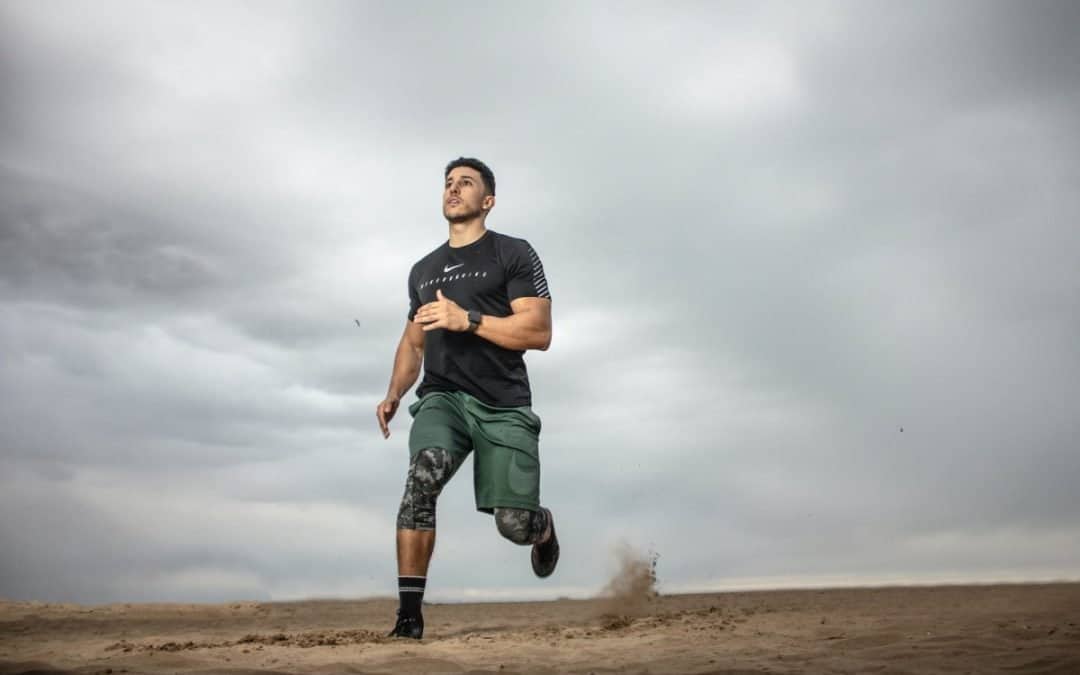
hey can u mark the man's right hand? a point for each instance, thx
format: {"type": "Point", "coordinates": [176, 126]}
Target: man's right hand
{"type": "Point", "coordinates": [384, 412]}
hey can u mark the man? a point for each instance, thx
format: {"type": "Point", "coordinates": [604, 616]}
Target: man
{"type": "Point", "coordinates": [476, 303]}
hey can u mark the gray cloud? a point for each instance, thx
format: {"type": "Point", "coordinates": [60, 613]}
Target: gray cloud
{"type": "Point", "coordinates": [774, 236]}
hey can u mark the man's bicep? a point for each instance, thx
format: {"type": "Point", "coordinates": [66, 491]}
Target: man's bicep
{"type": "Point", "coordinates": [413, 335]}
{"type": "Point", "coordinates": [539, 309]}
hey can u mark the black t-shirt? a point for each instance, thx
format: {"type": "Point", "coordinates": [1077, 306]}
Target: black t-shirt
{"type": "Point", "coordinates": [485, 276]}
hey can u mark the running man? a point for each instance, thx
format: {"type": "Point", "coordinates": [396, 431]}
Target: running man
{"type": "Point", "coordinates": [476, 303]}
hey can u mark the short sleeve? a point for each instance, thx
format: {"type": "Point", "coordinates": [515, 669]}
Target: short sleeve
{"type": "Point", "coordinates": [525, 273]}
{"type": "Point", "coordinates": [414, 295]}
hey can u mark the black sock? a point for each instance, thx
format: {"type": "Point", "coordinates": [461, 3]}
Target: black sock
{"type": "Point", "coordinates": [411, 594]}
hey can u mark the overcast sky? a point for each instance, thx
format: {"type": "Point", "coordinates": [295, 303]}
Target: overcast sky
{"type": "Point", "coordinates": [774, 236]}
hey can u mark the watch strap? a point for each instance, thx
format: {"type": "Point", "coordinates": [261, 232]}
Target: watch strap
{"type": "Point", "coordinates": [474, 320]}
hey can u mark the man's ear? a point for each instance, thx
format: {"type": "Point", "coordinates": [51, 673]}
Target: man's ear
{"type": "Point", "coordinates": [489, 202]}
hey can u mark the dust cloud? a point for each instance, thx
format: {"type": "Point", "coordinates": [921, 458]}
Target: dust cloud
{"type": "Point", "coordinates": [632, 589]}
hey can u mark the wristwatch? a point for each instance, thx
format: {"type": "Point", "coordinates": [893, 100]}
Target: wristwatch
{"type": "Point", "coordinates": [474, 320]}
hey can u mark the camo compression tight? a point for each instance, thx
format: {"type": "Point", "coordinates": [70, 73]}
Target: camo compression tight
{"type": "Point", "coordinates": [429, 472]}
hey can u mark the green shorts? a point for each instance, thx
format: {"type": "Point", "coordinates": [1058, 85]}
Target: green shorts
{"type": "Point", "coordinates": [506, 466]}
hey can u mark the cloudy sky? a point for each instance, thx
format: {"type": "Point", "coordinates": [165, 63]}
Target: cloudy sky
{"type": "Point", "coordinates": [774, 236]}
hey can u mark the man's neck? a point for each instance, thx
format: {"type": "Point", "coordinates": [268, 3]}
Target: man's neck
{"type": "Point", "coordinates": [463, 234]}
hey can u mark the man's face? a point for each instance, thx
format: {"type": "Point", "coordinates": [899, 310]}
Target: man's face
{"type": "Point", "coordinates": [464, 196]}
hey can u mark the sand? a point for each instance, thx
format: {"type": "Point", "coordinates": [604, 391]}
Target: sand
{"type": "Point", "coordinates": [950, 629]}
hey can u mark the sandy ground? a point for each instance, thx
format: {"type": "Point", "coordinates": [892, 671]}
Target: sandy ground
{"type": "Point", "coordinates": [952, 629]}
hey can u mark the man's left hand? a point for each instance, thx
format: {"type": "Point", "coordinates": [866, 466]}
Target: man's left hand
{"type": "Point", "coordinates": [443, 313]}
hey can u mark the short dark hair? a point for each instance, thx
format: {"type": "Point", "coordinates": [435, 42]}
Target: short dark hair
{"type": "Point", "coordinates": [486, 174]}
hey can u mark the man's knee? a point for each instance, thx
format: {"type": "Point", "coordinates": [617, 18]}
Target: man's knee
{"type": "Point", "coordinates": [515, 524]}
{"type": "Point", "coordinates": [429, 472]}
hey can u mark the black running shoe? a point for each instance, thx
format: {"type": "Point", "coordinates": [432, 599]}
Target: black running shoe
{"type": "Point", "coordinates": [546, 555]}
{"type": "Point", "coordinates": [408, 627]}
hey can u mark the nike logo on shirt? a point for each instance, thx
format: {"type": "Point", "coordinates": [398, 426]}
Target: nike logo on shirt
{"type": "Point", "coordinates": [448, 268]}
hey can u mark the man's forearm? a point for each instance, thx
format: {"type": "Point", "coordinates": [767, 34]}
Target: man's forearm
{"type": "Point", "coordinates": [406, 369]}
{"type": "Point", "coordinates": [518, 331]}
